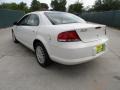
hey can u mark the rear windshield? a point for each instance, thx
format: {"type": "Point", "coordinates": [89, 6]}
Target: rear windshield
{"type": "Point", "coordinates": [57, 18]}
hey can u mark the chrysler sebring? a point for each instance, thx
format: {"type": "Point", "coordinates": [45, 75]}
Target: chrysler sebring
{"type": "Point", "coordinates": [61, 37]}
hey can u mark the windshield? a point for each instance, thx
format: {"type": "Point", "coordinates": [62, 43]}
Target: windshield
{"type": "Point", "coordinates": [57, 18]}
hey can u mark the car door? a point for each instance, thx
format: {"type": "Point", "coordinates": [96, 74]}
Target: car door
{"type": "Point", "coordinates": [19, 28]}
{"type": "Point", "coordinates": [26, 29]}
{"type": "Point", "coordinates": [29, 32]}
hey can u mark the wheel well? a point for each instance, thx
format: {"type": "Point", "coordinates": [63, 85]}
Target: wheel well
{"type": "Point", "coordinates": [36, 42]}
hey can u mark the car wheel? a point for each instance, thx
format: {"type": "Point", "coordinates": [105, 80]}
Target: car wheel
{"type": "Point", "coordinates": [14, 38]}
{"type": "Point", "coordinates": [42, 55]}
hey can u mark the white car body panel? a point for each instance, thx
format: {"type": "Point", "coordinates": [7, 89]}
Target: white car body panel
{"type": "Point", "coordinates": [68, 53]}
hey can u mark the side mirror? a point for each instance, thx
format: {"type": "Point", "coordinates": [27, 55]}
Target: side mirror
{"type": "Point", "coordinates": [15, 23]}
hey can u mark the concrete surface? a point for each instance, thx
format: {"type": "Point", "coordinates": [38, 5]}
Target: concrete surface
{"type": "Point", "coordinates": [20, 71]}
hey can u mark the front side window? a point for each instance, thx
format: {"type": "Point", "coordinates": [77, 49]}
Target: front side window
{"type": "Point", "coordinates": [57, 18]}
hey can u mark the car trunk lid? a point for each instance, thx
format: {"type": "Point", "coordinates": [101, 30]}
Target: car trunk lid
{"type": "Point", "coordinates": [91, 32]}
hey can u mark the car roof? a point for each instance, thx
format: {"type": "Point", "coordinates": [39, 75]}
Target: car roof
{"type": "Point", "coordinates": [40, 12]}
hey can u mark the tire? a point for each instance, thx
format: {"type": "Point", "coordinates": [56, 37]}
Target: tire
{"type": "Point", "coordinates": [14, 38]}
{"type": "Point", "coordinates": [42, 55]}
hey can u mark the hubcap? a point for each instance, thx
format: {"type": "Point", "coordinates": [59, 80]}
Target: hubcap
{"type": "Point", "coordinates": [40, 54]}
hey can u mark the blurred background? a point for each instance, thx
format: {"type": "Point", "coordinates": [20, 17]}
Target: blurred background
{"type": "Point", "coordinates": [99, 11]}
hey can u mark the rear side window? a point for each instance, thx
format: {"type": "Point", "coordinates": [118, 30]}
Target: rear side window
{"type": "Point", "coordinates": [33, 20]}
{"type": "Point", "coordinates": [29, 20]}
{"type": "Point", "coordinates": [57, 18]}
{"type": "Point", "coordinates": [24, 20]}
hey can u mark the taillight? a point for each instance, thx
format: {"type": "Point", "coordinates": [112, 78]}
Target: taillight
{"type": "Point", "coordinates": [69, 36]}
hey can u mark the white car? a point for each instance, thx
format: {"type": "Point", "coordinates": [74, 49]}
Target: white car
{"type": "Point", "coordinates": [61, 37]}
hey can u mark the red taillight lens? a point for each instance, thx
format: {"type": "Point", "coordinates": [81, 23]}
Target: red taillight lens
{"type": "Point", "coordinates": [69, 36]}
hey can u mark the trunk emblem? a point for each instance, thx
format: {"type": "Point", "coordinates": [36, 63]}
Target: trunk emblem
{"type": "Point", "coordinates": [97, 35]}
{"type": "Point", "coordinates": [83, 30]}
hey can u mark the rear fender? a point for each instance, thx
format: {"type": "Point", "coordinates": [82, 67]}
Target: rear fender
{"type": "Point", "coordinates": [44, 42]}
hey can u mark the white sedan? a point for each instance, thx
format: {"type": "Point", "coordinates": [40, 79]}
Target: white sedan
{"type": "Point", "coordinates": [61, 37]}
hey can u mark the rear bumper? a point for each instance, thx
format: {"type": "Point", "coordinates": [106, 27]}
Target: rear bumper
{"type": "Point", "coordinates": [75, 52]}
{"type": "Point", "coordinates": [75, 61]}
